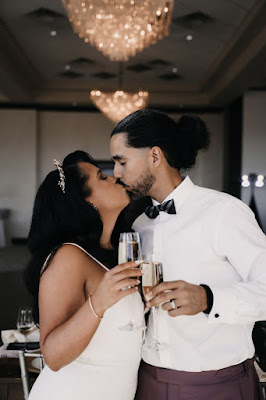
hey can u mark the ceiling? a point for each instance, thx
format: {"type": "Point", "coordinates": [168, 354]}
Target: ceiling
{"type": "Point", "coordinates": [226, 56]}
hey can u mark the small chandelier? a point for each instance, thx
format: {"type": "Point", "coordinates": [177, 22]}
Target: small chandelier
{"type": "Point", "coordinates": [117, 105]}
{"type": "Point", "coordinates": [120, 28]}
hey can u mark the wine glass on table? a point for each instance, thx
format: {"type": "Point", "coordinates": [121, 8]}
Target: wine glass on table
{"type": "Point", "coordinates": [153, 275]}
{"type": "Point", "coordinates": [130, 250]}
{"type": "Point", "coordinates": [25, 320]}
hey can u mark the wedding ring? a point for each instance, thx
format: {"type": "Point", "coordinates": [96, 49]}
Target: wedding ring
{"type": "Point", "coordinates": [172, 302]}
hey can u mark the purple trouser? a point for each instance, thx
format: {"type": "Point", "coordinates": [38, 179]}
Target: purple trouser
{"type": "Point", "coordinates": [239, 382]}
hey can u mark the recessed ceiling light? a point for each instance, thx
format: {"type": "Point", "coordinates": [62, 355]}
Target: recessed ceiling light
{"type": "Point", "coordinates": [174, 70]}
{"type": "Point", "coordinates": [53, 33]}
{"type": "Point", "coordinates": [67, 67]}
{"type": "Point", "coordinates": [189, 37]}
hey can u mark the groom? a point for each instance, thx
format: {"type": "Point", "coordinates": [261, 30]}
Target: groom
{"type": "Point", "coordinates": [214, 260]}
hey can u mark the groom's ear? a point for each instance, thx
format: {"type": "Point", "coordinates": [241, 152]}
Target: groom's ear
{"type": "Point", "coordinates": [157, 155]}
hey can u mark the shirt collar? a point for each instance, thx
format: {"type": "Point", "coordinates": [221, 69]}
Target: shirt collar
{"type": "Point", "coordinates": [180, 193]}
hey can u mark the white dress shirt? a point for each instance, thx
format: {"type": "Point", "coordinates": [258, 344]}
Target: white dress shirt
{"type": "Point", "coordinates": [213, 239]}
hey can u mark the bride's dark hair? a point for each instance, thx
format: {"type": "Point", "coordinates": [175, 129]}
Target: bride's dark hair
{"type": "Point", "coordinates": [60, 217]}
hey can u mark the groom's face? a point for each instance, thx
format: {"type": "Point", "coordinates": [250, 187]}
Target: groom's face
{"type": "Point", "coordinates": [131, 166]}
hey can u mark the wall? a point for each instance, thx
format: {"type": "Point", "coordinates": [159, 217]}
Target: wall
{"type": "Point", "coordinates": [32, 139]}
{"type": "Point", "coordinates": [18, 167]}
{"type": "Point", "coordinates": [63, 132]}
{"type": "Point", "coordinates": [254, 147]}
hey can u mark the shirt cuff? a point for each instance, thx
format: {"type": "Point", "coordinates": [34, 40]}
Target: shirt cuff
{"type": "Point", "coordinates": [209, 295]}
{"type": "Point", "coordinates": [224, 305]}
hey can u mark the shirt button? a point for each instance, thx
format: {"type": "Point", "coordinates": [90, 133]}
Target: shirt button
{"type": "Point", "coordinates": [217, 315]}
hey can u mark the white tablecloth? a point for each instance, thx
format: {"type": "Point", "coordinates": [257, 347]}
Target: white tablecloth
{"type": "Point", "coordinates": [14, 335]}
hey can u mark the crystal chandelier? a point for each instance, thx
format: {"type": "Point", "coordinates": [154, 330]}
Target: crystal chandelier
{"type": "Point", "coordinates": [117, 105]}
{"type": "Point", "coordinates": [120, 28]}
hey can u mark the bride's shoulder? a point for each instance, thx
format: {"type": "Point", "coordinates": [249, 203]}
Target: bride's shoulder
{"type": "Point", "coordinates": [69, 259]}
{"type": "Point", "coordinates": [71, 250]}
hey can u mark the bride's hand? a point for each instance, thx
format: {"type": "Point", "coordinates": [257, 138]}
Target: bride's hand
{"type": "Point", "coordinates": [110, 289]}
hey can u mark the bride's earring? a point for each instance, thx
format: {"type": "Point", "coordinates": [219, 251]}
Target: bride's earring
{"type": "Point", "coordinates": [95, 207]}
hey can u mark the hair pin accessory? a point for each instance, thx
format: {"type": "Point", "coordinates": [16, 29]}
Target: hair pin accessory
{"type": "Point", "coordinates": [62, 180]}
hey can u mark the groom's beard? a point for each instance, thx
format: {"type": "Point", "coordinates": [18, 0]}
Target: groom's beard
{"type": "Point", "coordinates": [141, 187]}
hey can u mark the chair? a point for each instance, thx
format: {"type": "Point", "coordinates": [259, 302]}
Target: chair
{"type": "Point", "coordinates": [23, 354]}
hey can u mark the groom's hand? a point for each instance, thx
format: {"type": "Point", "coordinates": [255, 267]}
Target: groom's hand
{"type": "Point", "coordinates": [188, 299]}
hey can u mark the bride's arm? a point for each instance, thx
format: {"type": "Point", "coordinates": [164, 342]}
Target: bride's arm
{"type": "Point", "coordinates": [67, 323]}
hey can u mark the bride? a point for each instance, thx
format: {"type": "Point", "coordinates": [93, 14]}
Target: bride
{"type": "Point", "coordinates": [79, 298]}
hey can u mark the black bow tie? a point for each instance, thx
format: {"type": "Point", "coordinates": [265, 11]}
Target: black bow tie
{"type": "Point", "coordinates": [167, 206]}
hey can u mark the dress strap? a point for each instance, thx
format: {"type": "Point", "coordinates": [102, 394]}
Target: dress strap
{"type": "Point", "coordinates": [50, 256]}
{"type": "Point", "coordinates": [48, 259]}
{"type": "Point", "coordinates": [95, 259]}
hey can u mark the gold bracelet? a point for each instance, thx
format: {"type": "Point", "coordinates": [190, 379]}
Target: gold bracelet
{"type": "Point", "coordinates": [92, 309]}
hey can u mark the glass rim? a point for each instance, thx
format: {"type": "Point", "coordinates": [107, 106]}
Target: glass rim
{"type": "Point", "coordinates": [124, 236]}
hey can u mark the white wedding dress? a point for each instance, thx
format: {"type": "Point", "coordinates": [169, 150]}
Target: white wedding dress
{"type": "Point", "coordinates": [107, 369]}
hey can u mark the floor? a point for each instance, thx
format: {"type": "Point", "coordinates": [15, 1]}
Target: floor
{"type": "Point", "coordinates": [10, 381]}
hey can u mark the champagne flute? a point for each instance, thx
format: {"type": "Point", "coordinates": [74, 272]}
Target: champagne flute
{"type": "Point", "coordinates": [153, 275]}
{"type": "Point", "coordinates": [130, 250]}
{"type": "Point", "coordinates": [25, 320]}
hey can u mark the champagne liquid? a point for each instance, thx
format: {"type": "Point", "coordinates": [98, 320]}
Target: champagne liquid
{"type": "Point", "coordinates": [153, 275]}
{"type": "Point", "coordinates": [128, 251]}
